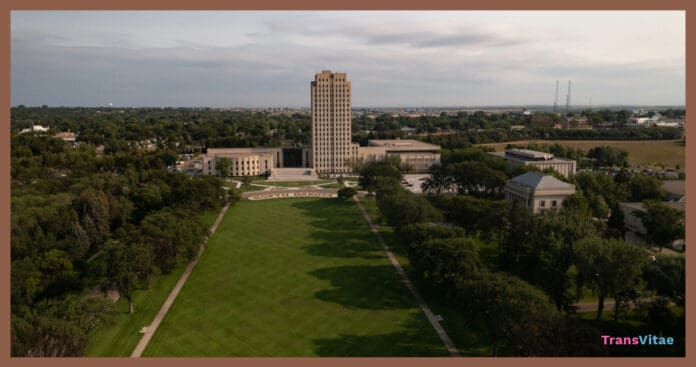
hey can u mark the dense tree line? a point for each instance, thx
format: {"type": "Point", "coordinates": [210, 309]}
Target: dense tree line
{"type": "Point", "coordinates": [472, 171]}
{"type": "Point", "coordinates": [462, 139]}
{"type": "Point", "coordinates": [118, 129]}
{"type": "Point", "coordinates": [526, 297]}
{"type": "Point", "coordinates": [83, 221]}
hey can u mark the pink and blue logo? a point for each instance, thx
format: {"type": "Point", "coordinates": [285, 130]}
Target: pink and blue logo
{"type": "Point", "coordinates": [637, 340]}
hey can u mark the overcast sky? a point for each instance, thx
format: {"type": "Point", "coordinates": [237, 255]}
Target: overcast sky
{"type": "Point", "coordinates": [257, 59]}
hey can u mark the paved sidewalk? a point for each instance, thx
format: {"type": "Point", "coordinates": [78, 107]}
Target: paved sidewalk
{"type": "Point", "coordinates": [150, 330]}
{"type": "Point", "coordinates": [434, 320]}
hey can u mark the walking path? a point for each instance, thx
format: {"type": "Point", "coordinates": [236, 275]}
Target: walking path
{"type": "Point", "coordinates": [434, 320]}
{"type": "Point", "coordinates": [150, 330]}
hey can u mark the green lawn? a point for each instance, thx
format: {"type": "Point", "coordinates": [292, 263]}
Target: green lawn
{"type": "Point", "coordinates": [334, 185]}
{"type": "Point", "coordinates": [119, 338]}
{"type": "Point", "coordinates": [294, 277]}
{"type": "Point", "coordinates": [291, 183]}
{"type": "Point", "coordinates": [252, 187]}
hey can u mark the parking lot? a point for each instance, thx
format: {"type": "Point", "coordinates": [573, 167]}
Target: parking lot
{"type": "Point", "coordinates": [412, 182]}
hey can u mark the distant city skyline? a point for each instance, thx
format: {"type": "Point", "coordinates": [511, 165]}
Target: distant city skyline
{"type": "Point", "coordinates": [394, 59]}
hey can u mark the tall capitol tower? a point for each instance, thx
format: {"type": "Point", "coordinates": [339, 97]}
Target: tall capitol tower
{"type": "Point", "coordinates": [331, 120]}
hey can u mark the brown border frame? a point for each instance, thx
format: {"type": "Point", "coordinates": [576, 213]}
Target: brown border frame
{"type": "Point", "coordinates": [5, 80]}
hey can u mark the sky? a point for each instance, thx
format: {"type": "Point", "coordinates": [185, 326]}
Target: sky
{"type": "Point", "coordinates": [393, 59]}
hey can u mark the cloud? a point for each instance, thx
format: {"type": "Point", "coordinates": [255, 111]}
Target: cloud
{"type": "Point", "coordinates": [392, 59]}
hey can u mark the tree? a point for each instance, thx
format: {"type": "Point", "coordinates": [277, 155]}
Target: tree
{"type": "Point", "coordinates": [401, 208]}
{"type": "Point", "coordinates": [442, 260]}
{"type": "Point", "coordinates": [612, 268]}
{"type": "Point", "coordinates": [552, 251]}
{"type": "Point", "coordinates": [438, 181]}
{"type": "Point", "coordinates": [473, 177]}
{"type": "Point", "coordinates": [372, 173]}
{"type": "Point", "coordinates": [174, 236]}
{"type": "Point", "coordinates": [519, 317]}
{"type": "Point", "coordinates": [126, 266]}
{"type": "Point", "coordinates": [601, 191]}
{"type": "Point", "coordinates": [577, 201]}
{"type": "Point", "coordinates": [475, 214]}
{"type": "Point", "coordinates": [665, 274]}
{"type": "Point", "coordinates": [644, 187]}
{"type": "Point", "coordinates": [223, 167]}
{"type": "Point", "coordinates": [347, 193]}
{"type": "Point", "coordinates": [514, 244]}
{"type": "Point", "coordinates": [607, 156]}
{"type": "Point", "coordinates": [93, 207]}
{"type": "Point", "coordinates": [58, 327]}
{"type": "Point", "coordinates": [663, 225]}
{"type": "Point", "coordinates": [421, 232]}
{"type": "Point", "coordinates": [616, 224]}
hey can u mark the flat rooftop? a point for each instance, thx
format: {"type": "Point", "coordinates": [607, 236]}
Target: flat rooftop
{"type": "Point", "coordinates": [256, 150]}
{"type": "Point", "coordinates": [240, 155]}
{"type": "Point", "coordinates": [402, 144]}
{"type": "Point", "coordinates": [527, 155]}
{"type": "Point", "coordinates": [530, 154]}
{"type": "Point", "coordinates": [677, 187]}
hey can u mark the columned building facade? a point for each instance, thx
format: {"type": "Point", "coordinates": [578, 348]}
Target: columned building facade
{"type": "Point", "coordinates": [331, 123]}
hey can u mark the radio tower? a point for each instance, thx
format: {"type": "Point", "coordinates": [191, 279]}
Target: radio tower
{"type": "Point", "coordinates": [568, 99]}
{"type": "Point", "coordinates": [555, 99]}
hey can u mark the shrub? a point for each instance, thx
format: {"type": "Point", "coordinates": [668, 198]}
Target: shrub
{"type": "Point", "coordinates": [346, 193]}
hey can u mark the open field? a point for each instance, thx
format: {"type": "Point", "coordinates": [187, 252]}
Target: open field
{"type": "Point", "coordinates": [640, 152]}
{"type": "Point", "coordinates": [118, 338]}
{"type": "Point", "coordinates": [294, 277]}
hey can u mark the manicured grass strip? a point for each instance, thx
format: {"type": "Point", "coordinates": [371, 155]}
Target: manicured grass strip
{"type": "Point", "coordinates": [208, 218]}
{"type": "Point", "coordinates": [334, 185]}
{"type": "Point", "coordinates": [291, 183]}
{"type": "Point", "coordinates": [118, 338]}
{"type": "Point", "coordinates": [294, 277]}
{"type": "Point", "coordinates": [252, 187]}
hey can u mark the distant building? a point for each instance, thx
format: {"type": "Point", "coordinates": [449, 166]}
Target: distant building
{"type": "Point", "coordinates": [409, 130]}
{"type": "Point", "coordinates": [255, 161]}
{"type": "Point", "coordinates": [331, 122]}
{"type": "Point", "coordinates": [635, 231]}
{"type": "Point", "coordinates": [537, 191]}
{"type": "Point", "coordinates": [676, 124]}
{"type": "Point", "coordinates": [541, 120]}
{"type": "Point", "coordinates": [641, 121]}
{"type": "Point", "coordinates": [332, 150]}
{"type": "Point", "coordinates": [65, 136]}
{"type": "Point", "coordinates": [576, 123]}
{"type": "Point", "coordinates": [35, 129]}
{"type": "Point", "coordinates": [416, 154]}
{"type": "Point", "coordinates": [542, 160]}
